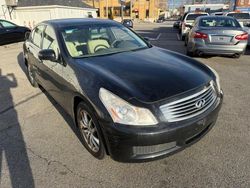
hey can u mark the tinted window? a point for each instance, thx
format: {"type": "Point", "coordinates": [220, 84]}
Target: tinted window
{"type": "Point", "coordinates": [49, 39]}
{"type": "Point", "coordinates": [5, 24]}
{"type": "Point", "coordinates": [37, 35]}
{"type": "Point", "coordinates": [194, 16]}
{"type": "Point", "coordinates": [240, 15]}
{"type": "Point", "coordinates": [218, 22]}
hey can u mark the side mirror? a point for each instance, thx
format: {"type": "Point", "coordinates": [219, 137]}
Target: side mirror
{"type": "Point", "coordinates": [27, 35]}
{"type": "Point", "coordinates": [147, 39]}
{"type": "Point", "coordinates": [47, 54]}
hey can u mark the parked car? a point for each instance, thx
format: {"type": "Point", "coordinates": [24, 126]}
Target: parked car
{"type": "Point", "coordinates": [160, 20]}
{"type": "Point", "coordinates": [177, 24]}
{"type": "Point", "coordinates": [217, 35]}
{"type": "Point", "coordinates": [217, 14]}
{"type": "Point", "coordinates": [11, 33]}
{"type": "Point", "coordinates": [244, 20]}
{"type": "Point", "coordinates": [128, 23]}
{"type": "Point", "coordinates": [129, 99]}
{"type": "Point", "coordinates": [187, 22]}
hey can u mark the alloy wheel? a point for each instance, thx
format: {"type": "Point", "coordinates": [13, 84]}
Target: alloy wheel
{"type": "Point", "coordinates": [89, 131]}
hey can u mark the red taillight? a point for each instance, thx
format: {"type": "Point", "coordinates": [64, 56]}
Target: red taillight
{"type": "Point", "coordinates": [199, 35]}
{"type": "Point", "coordinates": [243, 36]}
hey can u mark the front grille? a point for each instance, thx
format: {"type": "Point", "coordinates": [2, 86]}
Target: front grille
{"type": "Point", "coordinates": [143, 150]}
{"type": "Point", "coordinates": [190, 106]}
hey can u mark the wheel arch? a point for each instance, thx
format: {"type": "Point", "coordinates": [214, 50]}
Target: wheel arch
{"type": "Point", "coordinates": [76, 100]}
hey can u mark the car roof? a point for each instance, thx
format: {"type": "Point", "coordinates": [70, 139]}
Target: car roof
{"type": "Point", "coordinates": [197, 12]}
{"type": "Point", "coordinates": [226, 17]}
{"type": "Point", "coordinates": [78, 21]}
{"type": "Point", "coordinates": [237, 12]}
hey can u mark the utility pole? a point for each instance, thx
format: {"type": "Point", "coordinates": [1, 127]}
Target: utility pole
{"type": "Point", "coordinates": [131, 5]}
{"type": "Point", "coordinates": [107, 8]}
{"type": "Point", "coordinates": [122, 4]}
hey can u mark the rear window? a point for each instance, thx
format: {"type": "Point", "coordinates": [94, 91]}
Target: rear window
{"type": "Point", "coordinates": [194, 16]}
{"type": "Point", "coordinates": [218, 22]}
{"type": "Point", "coordinates": [240, 15]}
{"type": "Point", "coordinates": [218, 14]}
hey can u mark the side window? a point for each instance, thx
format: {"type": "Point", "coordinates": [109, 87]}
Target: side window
{"type": "Point", "coordinates": [37, 35]}
{"type": "Point", "coordinates": [5, 24]}
{"type": "Point", "coordinates": [49, 39]}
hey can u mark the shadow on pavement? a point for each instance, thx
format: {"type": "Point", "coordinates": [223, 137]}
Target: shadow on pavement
{"type": "Point", "coordinates": [12, 148]}
{"type": "Point", "coordinates": [62, 112]}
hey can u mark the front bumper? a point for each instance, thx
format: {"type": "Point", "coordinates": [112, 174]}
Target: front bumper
{"type": "Point", "coordinates": [139, 144]}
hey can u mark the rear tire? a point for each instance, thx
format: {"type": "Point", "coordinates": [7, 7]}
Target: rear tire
{"type": "Point", "coordinates": [236, 56]}
{"type": "Point", "coordinates": [31, 75]}
{"type": "Point", "coordinates": [189, 53]}
{"type": "Point", "coordinates": [186, 41]}
{"type": "Point", "coordinates": [89, 130]}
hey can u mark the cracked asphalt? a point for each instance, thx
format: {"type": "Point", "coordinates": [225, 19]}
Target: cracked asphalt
{"type": "Point", "coordinates": [39, 148]}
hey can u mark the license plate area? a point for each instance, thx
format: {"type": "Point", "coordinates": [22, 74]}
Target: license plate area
{"type": "Point", "coordinates": [221, 39]}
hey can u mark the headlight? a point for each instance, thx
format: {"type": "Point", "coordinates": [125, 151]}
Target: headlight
{"type": "Point", "coordinates": [217, 79]}
{"type": "Point", "coordinates": [124, 113]}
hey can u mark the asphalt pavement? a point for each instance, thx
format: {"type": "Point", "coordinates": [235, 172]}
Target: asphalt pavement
{"type": "Point", "coordinates": [38, 146]}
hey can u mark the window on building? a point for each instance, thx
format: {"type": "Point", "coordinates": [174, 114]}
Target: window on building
{"type": "Point", "coordinates": [147, 13]}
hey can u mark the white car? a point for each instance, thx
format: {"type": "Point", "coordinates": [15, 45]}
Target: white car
{"type": "Point", "coordinates": [244, 20]}
{"type": "Point", "coordinates": [188, 20]}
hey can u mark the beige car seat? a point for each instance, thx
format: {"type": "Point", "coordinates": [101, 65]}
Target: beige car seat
{"type": "Point", "coordinates": [97, 44]}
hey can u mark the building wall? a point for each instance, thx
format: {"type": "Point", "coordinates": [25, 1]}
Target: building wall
{"type": "Point", "coordinates": [31, 16]}
{"type": "Point", "coordinates": [141, 9]}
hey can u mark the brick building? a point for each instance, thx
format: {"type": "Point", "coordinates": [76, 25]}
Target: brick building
{"type": "Point", "coordinates": [136, 9]}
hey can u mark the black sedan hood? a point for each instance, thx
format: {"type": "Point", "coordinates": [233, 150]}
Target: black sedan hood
{"type": "Point", "coordinates": [148, 75]}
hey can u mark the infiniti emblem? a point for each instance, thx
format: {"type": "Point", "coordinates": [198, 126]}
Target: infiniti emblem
{"type": "Point", "coordinates": [200, 103]}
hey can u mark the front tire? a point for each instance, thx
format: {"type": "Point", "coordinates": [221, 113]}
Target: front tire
{"type": "Point", "coordinates": [31, 75]}
{"type": "Point", "coordinates": [89, 130]}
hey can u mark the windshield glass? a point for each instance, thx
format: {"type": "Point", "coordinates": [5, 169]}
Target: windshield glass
{"type": "Point", "coordinates": [194, 16]}
{"type": "Point", "coordinates": [218, 22]}
{"type": "Point", "coordinates": [240, 15]}
{"type": "Point", "coordinates": [96, 40]}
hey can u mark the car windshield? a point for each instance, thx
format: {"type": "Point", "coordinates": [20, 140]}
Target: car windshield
{"type": "Point", "coordinates": [218, 22]}
{"type": "Point", "coordinates": [194, 16]}
{"type": "Point", "coordinates": [97, 40]}
{"type": "Point", "coordinates": [240, 15]}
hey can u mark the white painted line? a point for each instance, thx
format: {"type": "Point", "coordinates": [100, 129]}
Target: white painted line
{"type": "Point", "coordinates": [178, 36]}
{"type": "Point", "coordinates": [157, 38]}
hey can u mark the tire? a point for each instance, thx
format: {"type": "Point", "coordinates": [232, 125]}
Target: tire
{"type": "Point", "coordinates": [186, 41]}
{"type": "Point", "coordinates": [236, 56]}
{"type": "Point", "coordinates": [190, 54]}
{"type": "Point", "coordinates": [31, 75]}
{"type": "Point", "coordinates": [89, 130]}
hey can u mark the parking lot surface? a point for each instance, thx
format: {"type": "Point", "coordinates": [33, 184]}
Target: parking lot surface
{"type": "Point", "coordinates": [38, 146]}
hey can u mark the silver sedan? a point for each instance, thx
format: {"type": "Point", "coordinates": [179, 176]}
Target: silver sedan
{"type": "Point", "coordinates": [216, 35]}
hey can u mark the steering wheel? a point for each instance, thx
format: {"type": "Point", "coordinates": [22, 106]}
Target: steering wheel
{"type": "Point", "coordinates": [114, 43]}
{"type": "Point", "coordinates": [100, 47]}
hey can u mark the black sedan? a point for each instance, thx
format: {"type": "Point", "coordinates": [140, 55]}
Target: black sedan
{"type": "Point", "coordinates": [129, 99]}
{"type": "Point", "coordinates": [11, 33]}
{"type": "Point", "coordinates": [128, 23]}
{"type": "Point", "coordinates": [176, 24]}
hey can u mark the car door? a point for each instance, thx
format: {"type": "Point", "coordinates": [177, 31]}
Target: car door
{"type": "Point", "coordinates": [33, 48]}
{"type": "Point", "coordinates": [10, 32]}
{"type": "Point", "coordinates": [51, 71]}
